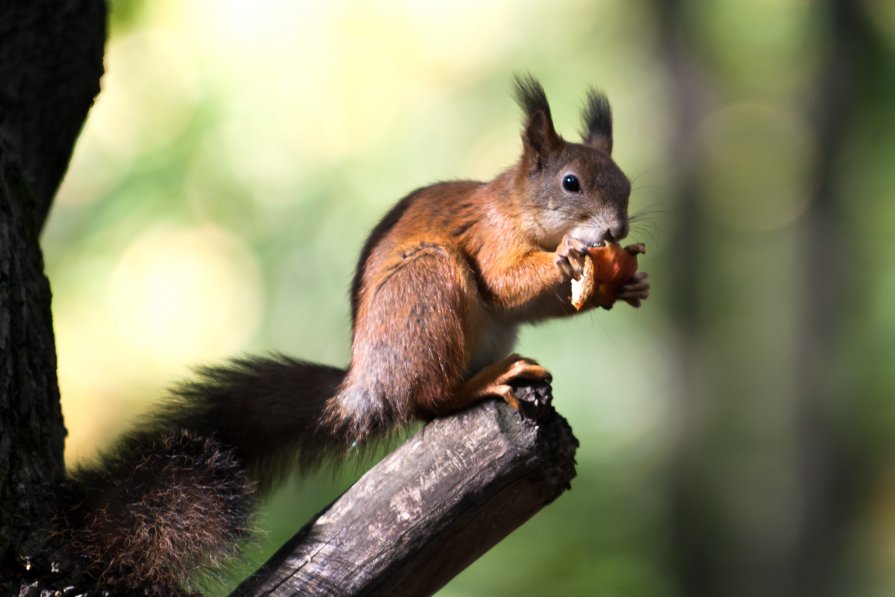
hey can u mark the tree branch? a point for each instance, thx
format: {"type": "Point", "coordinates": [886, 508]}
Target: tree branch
{"type": "Point", "coordinates": [428, 510]}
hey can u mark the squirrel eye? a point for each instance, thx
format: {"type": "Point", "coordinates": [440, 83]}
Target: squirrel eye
{"type": "Point", "coordinates": [571, 184]}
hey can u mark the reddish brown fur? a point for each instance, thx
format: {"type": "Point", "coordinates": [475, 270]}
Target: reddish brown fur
{"type": "Point", "coordinates": [454, 268]}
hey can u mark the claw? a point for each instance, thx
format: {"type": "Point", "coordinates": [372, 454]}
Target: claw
{"type": "Point", "coordinates": [636, 291]}
{"type": "Point", "coordinates": [495, 379]}
{"type": "Point", "coordinates": [570, 257]}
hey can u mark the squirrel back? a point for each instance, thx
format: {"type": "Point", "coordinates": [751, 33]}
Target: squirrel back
{"type": "Point", "coordinates": [442, 284]}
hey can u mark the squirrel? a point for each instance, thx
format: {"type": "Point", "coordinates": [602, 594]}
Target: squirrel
{"type": "Point", "coordinates": [442, 284]}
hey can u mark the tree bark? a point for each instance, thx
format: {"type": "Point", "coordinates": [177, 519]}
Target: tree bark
{"type": "Point", "coordinates": [429, 509]}
{"type": "Point", "coordinates": [50, 65]}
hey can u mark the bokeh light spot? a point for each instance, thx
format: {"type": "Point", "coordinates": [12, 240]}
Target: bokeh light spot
{"type": "Point", "coordinates": [185, 296]}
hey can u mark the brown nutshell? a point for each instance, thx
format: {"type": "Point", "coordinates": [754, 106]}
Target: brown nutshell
{"type": "Point", "coordinates": [607, 269]}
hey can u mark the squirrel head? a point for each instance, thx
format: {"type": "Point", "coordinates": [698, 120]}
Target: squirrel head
{"type": "Point", "coordinates": [570, 188]}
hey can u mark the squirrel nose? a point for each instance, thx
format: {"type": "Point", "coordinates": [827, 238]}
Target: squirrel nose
{"type": "Point", "coordinates": [616, 231]}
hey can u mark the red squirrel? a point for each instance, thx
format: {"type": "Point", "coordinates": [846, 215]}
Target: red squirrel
{"type": "Point", "coordinates": [442, 284]}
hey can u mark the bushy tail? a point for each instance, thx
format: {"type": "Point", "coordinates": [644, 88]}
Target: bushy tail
{"type": "Point", "coordinates": [155, 510]}
{"type": "Point", "coordinates": [177, 494]}
{"type": "Point", "coordinates": [269, 410]}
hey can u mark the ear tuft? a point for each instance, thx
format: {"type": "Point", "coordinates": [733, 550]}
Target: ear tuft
{"type": "Point", "coordinates": [597, 121]}
{"type": "Point", "coordinates": [530, 95]}
{"type": "Point", "coordinates": [539, 136]}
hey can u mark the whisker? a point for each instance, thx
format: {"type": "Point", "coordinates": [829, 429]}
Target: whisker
{"type": "Point", "coordinates": [638, 178]}
{"type": "Point", "coordinates": [654, 208]}
{"type": "Point", "coordinates": [645, 233]}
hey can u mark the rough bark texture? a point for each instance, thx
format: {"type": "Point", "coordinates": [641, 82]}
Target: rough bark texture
{"type": "Point", "coordinates": [429, 509]}
{"type": "Point", "coordinates": [50, 65]}
{"type": "Point", "coordinates": [51, 59]}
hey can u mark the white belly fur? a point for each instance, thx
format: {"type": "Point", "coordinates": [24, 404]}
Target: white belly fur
{"type": "Point", "coordinates": [495, 341]}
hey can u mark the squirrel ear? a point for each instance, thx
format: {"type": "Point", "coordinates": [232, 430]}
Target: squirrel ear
{"type": "Point", "coordinates": [597, 121]}
{"type": "Point", "coordinates": [539, 137]}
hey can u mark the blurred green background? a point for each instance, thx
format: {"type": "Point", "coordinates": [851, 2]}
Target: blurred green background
{"type": "Point", "coordinates": [736, 433]}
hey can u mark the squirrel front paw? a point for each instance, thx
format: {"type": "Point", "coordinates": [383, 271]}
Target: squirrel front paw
{"type": "Point", "coordinates": [635, 290]}
{"type": "Point", "coordinates": [570, 256]}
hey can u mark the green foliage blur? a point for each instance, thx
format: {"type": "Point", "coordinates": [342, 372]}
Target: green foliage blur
{"type": "Point", "coordinates": [736, 432]}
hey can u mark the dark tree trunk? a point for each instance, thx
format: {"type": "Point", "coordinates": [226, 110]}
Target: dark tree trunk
{"type": "Point", "coordinates": [827, 281]}
{"type": "Point", "coordinates": [709, 557]}
{"type": "Point", "coordinates": [50, 65]}
{"type": "Point", "coordinates": [690, 98]}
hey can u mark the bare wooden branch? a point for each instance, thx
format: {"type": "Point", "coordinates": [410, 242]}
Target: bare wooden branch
{"type": "Point", "coordinates": [428, 510]}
